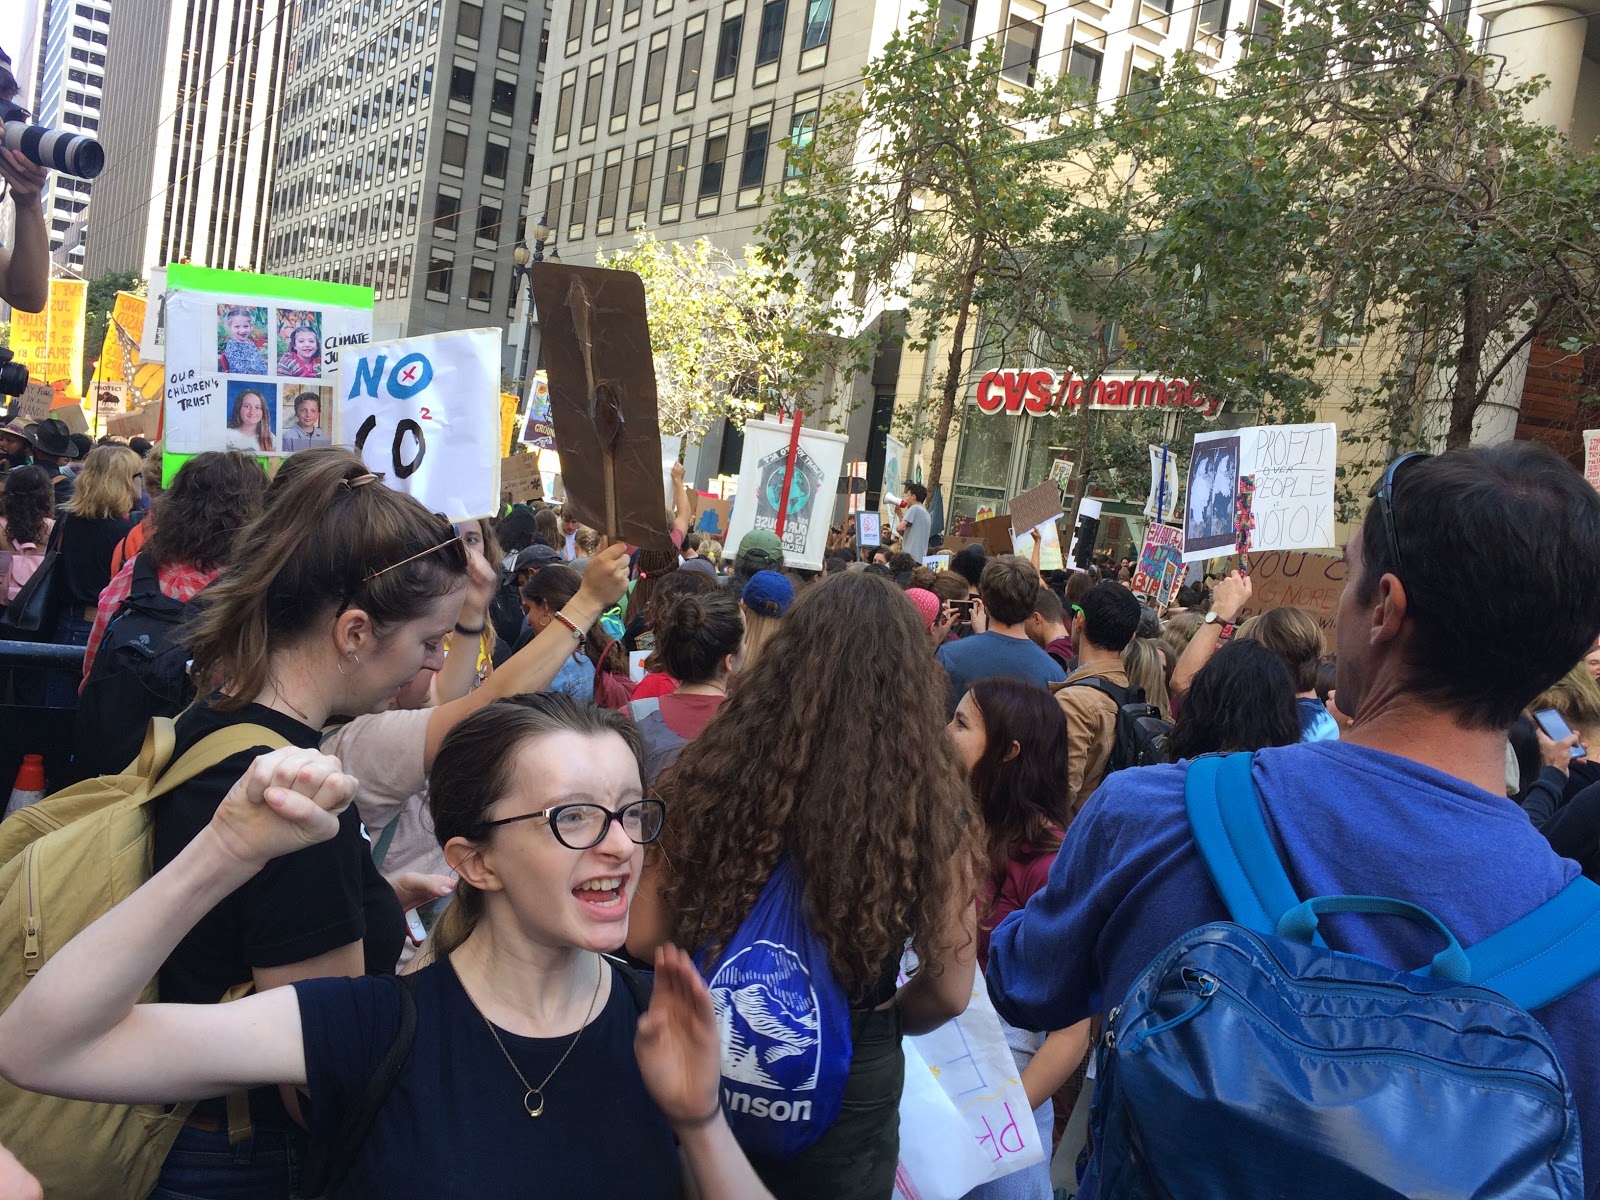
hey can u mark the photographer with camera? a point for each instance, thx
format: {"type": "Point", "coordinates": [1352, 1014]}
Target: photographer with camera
{"type": "Point", "coordinates": [25, 266]}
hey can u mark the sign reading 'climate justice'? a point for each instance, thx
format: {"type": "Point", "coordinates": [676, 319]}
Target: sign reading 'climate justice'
{"type": "Point", "coordinates": [1016, 391]}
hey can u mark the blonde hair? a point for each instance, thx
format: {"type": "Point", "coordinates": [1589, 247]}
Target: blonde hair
{"type": "Point", "coordinates": [1147, 669]}
{"type": "Point", "coordinates": [105, 485]}
{"type": "Point", "coordinates": [1294, 636]}
{"type": "Point", "coordinates": [587, 540]}
{"type": "Point", "coordinates": [758, 631]}
{"type": "Point", "coordinates": [1576, 696]}
{"type": "Point", "coordinates": [1180, 629]}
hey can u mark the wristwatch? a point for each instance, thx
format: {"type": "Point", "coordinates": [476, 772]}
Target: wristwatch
{"type": "Point", "coordinates": [1215, 618]}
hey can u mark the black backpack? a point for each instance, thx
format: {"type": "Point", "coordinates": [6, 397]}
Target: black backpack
{"type": "Point", "coordinates": [140, 671]}
{"type": "Point", "coordinates": [1142, 731]}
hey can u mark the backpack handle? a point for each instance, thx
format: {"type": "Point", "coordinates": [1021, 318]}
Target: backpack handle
{"type": "Point", "coordinates": [1299, 924]}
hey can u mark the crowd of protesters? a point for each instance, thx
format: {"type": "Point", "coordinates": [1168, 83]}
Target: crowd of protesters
{"type": "Point", "coordinates": [504, 793]}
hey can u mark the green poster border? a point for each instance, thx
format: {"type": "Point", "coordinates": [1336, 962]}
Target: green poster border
{"type": "Point", "coordinates": [188, 278]}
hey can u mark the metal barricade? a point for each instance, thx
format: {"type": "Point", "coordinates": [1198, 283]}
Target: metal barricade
{"type": "Point", "coordinates": [29, 728]}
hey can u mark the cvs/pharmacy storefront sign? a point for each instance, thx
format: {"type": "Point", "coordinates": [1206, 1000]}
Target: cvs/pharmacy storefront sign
{"type": "Point", "coordinates": [1015, 391]}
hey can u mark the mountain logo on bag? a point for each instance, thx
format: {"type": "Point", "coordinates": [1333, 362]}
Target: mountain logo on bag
{"type": "Point", "coordinates": [768, 1021]}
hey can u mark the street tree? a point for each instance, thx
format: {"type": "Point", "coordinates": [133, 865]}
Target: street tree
{"type": "Point", "coordinates": [731, 338]}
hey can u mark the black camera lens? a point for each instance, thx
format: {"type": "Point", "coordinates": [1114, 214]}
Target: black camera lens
{"type": "Point", "coordinates": [13, 375]}
{"type": "Point", "coordinates": [70, 153]}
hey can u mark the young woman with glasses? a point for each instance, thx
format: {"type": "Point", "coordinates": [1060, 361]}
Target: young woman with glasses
{"type": "Point", "coordinates": [536, 1067]}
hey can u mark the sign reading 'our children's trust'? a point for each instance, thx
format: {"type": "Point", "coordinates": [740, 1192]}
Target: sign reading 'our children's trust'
{"type": "Point", "coordinates": [424, 413]}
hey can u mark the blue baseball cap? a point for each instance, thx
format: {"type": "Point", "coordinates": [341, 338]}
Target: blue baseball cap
{"type": "Point", "coordinates": [768, 593]}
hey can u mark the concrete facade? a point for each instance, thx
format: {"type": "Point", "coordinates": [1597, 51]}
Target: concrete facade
{"type": "Point", "coordinates": [404, 155]}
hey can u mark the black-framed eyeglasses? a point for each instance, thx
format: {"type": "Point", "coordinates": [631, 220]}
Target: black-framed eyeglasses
{"type": "Point", "coordinates": [1383, 493]}
{"type": "Point", "coordinates": [582, 826]}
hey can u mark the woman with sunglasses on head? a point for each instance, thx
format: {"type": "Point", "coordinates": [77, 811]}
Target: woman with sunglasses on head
{"type": "Point", "coordinates": [537, 1067]}
{"type": "Point", "coordinates": [334, 598]}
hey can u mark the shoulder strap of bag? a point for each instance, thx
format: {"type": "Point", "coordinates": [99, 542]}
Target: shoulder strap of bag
{"type": "Point", "coordinates": [1553, 950]}
{"type": "Point", "coordinates": [380, 848]}
{"type": "Point", "coordinates": [146, 577]}
{"type": "Point", "coordinates": [640, 709]}
{"type": "Point", "coordinates": [1119, 696]}
{"type": "Point", "coordinates": [1231, 834]}
{"type": "Point", "coordinates": [327, 1168]}
{"type": "Point", "coordinates": [208, 752]}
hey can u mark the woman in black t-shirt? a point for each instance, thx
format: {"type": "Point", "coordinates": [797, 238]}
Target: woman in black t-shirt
{"type": "Point", "coordinates": [336, 596]}
{"type": "Point", "coordinates": [532, 1071]}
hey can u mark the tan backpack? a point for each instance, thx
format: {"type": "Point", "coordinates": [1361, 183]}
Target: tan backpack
{"type": "Point", "coordinates": [64, 863]}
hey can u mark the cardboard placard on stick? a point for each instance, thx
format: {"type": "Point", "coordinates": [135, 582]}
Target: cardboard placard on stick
{"type": "Point", "coordinates": [1032, 508]}
{"type": "Point", "coordinates": [1296, 579]}
{"type": "Point", "coordinates": [34, 403]}
{"type": "Point", "coordinates": [520, 481]}
{"type": "Point", "coordinates": [603, 399]}
{"type": "Point", "coordinates": [994, 533]}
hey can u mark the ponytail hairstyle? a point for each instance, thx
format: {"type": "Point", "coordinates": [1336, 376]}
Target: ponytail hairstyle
{"type": "Point", "coordinates": [332, 538]}
{"type": "Point", "coordinates": [476, 766]}
{"type": "Point", "coordinates": [695, 635]}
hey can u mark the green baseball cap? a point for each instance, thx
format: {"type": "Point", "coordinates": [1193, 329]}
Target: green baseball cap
{"type": "Point", "coordinates": [763, 546]}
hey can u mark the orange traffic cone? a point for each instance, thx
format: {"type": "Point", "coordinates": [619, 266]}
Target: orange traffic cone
{"type": "Point", "coordinates": [29, 787]}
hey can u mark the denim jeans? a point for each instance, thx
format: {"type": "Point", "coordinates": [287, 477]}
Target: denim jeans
{"type": "Point", "coordinates": [203, 1166]}
{"type": "Point", "coordinates": [61, 687]}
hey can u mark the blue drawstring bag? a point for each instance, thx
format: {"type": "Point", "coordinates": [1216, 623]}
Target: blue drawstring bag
{"type": "Point", "coordinates": [783, 1022]}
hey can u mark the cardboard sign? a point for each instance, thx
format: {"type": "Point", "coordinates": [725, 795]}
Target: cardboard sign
{"type": "Point", "coordinates": [603, 399]}
{"type": "Point", "coordinates": [520, 482]}
{"type": "Point", "coordinates": [994, 533]}
{"type": "Point", "coordinates": [1295, 579]}
{"type": "Point", "coordinates": [1049, 535]}
{"type": "Point", "coordinates": [424, 413]}
{"type": "Point", "coordinates": [34, 403]}
{"type": "Point", "coordinates": [1034, 507]}
{"type": "Point", "coordinates": [1159, 573]}
{"type": "Point", "coordinates": [1290, 469]}
{"type": "Point", "coordinates": [1591, 457]}
{"type": "Point", "coordinates": [813, 488]}
{"type": "Point", "coordinates": [252, 362]}
{"type": "Point", "coordinates": [711, 515]}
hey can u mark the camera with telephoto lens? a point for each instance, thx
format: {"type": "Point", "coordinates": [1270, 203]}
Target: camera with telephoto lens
{"type": "Point", "coordinates": [69, 153]}
{"type": "Point", "coordinates": [13, 375]}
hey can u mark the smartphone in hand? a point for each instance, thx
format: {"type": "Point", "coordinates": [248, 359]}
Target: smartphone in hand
{"type": "Point", "coordinates": [1556, 728]}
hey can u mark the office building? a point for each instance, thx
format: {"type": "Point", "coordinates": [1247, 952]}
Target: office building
{"type": "Point", "coordinates": [66, 93]}
{"type": "Point", "coordinates": [404, 156]}
{"type": "Point", "coordinates": [189, 128]}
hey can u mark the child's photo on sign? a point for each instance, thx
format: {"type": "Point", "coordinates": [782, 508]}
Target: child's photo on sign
{"type": "Point", "coordinates": [307, 415]}
{"type": "Point", "coordinates": [252, 411]}
{"type": "Point", "coordinates": [299, 343]}
{"type": "Point", "coordinates": [241, 339]}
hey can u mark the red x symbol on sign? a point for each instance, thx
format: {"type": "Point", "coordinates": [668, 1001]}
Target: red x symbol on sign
{"type": "Point", "coordinates": [409, 374]}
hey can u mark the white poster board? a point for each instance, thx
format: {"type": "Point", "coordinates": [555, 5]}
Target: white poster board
{"type": "Point", "coordinates": [869, 529]}
{"type": "Point", "coordinates": [964, 1116]}
{"type": "Point", "coordinates": [1162, 502]}
{"type": "Point", "coordinates": [671, 449]}
{"type": "Point", "coordinates": [425, 414]}
{"type": "Point", "coordinates": [894, 473]}
{"type": "Point", "coordinates": [1049, 535]}
{"type": "Point", "coordinates": [1591, 457]}
{"type": "Point", "coordinates": [818, 465]}
{"type": "Point", "coordinates": [255, 374]}
{"type": "Point", "coordinates": [1291, 468]}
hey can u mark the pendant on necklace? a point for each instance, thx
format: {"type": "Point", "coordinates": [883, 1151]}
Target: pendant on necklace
{"type": "Point", "coordinates": [534, 1108]}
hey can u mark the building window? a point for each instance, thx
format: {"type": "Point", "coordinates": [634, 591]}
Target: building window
{"type": "Point", "coordinates": [569, 92]}
{"type": "Point", "coordinates": [510, 34]}
{"type": "Point", "coordinates": [819, 24]}
{"type": "Point", "coordinates": [469, 20]}
{"type": "Point", "coordinates": [769, 41]}
{"type": "Point", "coordinates": [552, 200]}
{"type": "Point", "coordinates": [711, 165]}
{"type": "Point", "coordinates": [463, 80]}
{"type": "Point", "coordinates": [496, 157]}
{"type": "Point", "coordinates": [610, 186]}
{"type": "Point", "coordinates": [1144, 90]}
{"type": "Point", "coordinates": [602, 16]}
{"type": "Point", "coordinates": [441, 270]}
{"type": "Point", "coordinates": [689, 62]}
{"type": "Point", "coordinates": [639, 189]}
{"type": "Point", "coordinates": [1214, 17]}
{"type": "Point", "coordinates": [480, 284]}
{"type": "Point", "coordinates": [503, 100]}
{"type": "Point", "coordinates": [455, 149]}
{"type": "Point", "coordinates": [655, 74]}
{"type": "Point", "coordinates": [592, 97]}
{"type": "Point", "coordinates": [488, 223]}
{"type": "Point", "coordinates": [753, 166]}
{"type": "Point", "coordinates": [1086, 64]}
{"type": "Point", "coordinates": [727, 61]}
{"type": "Point", "coordinates": [1021, 61]}
{"type": "Point", "coordinates": [622, 87]}
{"type": "Point", "coordinates": [1266, 22]}
{"type": "Point", "coordinates": [446, 213]}
{"type": "Point", "coordinates": [955, 20]}
{"type": "Point", "coordinates": [575, 21]}
{"type": "Point", "coordinates": [578, 214]}
{"type": "Point", "coordinates": [802, 129]}
{"type": "Point", "coordinates": [677, 168]}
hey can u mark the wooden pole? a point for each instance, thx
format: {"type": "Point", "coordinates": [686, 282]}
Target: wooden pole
{"type": "Point", "coordinates": [788, 473]}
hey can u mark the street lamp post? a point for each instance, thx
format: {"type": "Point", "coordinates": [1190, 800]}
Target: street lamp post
{"type": "Point", "coordinates": [522, 260]}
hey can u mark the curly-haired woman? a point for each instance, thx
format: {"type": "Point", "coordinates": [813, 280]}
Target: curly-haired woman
{"type": "Point", "coordinates": [851, 781]}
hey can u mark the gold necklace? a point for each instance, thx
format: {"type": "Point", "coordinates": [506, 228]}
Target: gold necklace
{"type": "Point", "coordinates": [535, 1107]}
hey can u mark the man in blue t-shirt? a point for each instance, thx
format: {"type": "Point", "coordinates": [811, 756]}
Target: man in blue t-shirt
{"type": "Point", "coordinates": [1007, 592]}
{"type": "Point", "coordinates": [1411, 804]}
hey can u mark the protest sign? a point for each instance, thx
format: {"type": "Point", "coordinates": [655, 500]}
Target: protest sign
{"type": "Point", "coordinates": [1159, 573]}
{"type": "Point", "coordinates": [508, 421]}
{"type": "Point", "coordinates": [538, 431]}
{"type": "Point", "coordinates": [894, 459]}
{"type": "Point", "coordinates": [671, 451]}
{"type": "Point", "coordinates": [153, 336]}
{"type": "Point", "coordinates": [424, 413]}
{"type": "Point", "coordinates": [603, 399]}
{"type": "Point", "coordinates": [1285, 475]}
{"type": "Point", "coordinates": [251, 362]}
{"type": "Point", "coordinates": [50, 343]}
{"type": "Point", "coordinates": [964, 1115]}
{"type": "Point", "coordinates": [1032, 508]}
{"type": "Point", "coordinates": [994, 533]}
{"type": "Point", "coordinates": [34, 403]}
{"type": "Point", "coordinates": [1049, 535]}
{"type": "Point", "coordinates": [1162, 502]}
{"type": "Point", "coordinates": [937, 562]}
{"type": "Point", "coordinates": [711, 513]}
{"type": "Point", "coordinates": [1296, 579]}
{"type": "Point", "coordinates": [520, 481]}
{"type": "Point", "coordinates": [1061, 474]}
{"type": "Point", "coordinates": [869, 529]}
{"type": "Point", "coordinates": [1591, 457]}
{"type": "Point", "coordinates": [819, 461]}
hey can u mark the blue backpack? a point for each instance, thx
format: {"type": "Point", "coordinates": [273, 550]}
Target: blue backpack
{"type": "Point", "coordinates": [784, 1025]}
{"type": "Point", "coordinates": [1250, 1061]}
